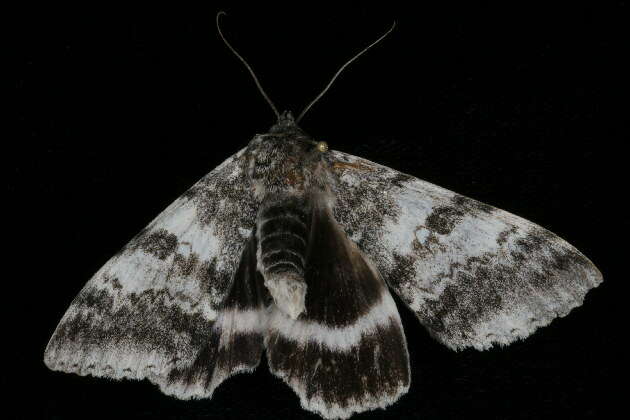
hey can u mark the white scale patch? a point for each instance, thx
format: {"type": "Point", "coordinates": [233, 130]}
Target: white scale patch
{"type": "Point", "coordinates": [233, 321]}
{"type": "Point", "coordinates": [342, 339]}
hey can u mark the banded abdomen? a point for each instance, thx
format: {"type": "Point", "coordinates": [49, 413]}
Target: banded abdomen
{"type": "Point", "coordinates": [283, 228]}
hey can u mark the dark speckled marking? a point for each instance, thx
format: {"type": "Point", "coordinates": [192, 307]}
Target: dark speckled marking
{"type": "Point", "coordinates": [428, 246]}
{"type": "Point", "coordinates": [159, 243]}
{"type": "Point", "coordinates": [148, 320]}
{"type": "Point", "coordinates": [113, 281]}
{"type": "Point", "coordinates": [372, 370]}
{"type": "Point", "coordinates": [243, 350]}
{"type": "Point", "coordinates": [444, 219]}
{"type": "Point", "coordinates": [506, 234]}
{"type": "Point", "coordinates": [205, 275]}
{"type": "Point", "coordinates": [560, 257]}
{"type": "Point", "coordinates": [202, 368]}
{"type": "Point", "coordinates": [364, 206]}
{"type": "Point", "coordinates": [402, 271]}
{"type": "Point", "coordinates": [540, 265]}
{"type": "Point", "coordinates": [185, 265]}
{"type": "Point", "coordinates": [215, 281]}
{"type": "Point", "coordinates": [472, 295]}
{"type": "Point", "coordinates": [400, 180]}
{"type": "Point", "coordinates": [223, 197]}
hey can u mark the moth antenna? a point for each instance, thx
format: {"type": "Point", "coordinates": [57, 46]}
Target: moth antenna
{"type": "Point", "coordinates": [260, 89]}
{"type": "Point", "coordinates": [323, 92]}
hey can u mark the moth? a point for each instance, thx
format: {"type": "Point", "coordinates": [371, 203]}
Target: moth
{"type": "Point", "coordinates": [293, 250]}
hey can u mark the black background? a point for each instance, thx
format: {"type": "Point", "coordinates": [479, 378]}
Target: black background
{"type": "Point", "coordinates": [116, 111]}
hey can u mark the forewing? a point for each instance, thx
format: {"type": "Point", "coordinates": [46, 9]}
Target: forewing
{"type": "Point", "coordinates": [155, 309]}
{"type": "Point", "coordinates": [474, 275]}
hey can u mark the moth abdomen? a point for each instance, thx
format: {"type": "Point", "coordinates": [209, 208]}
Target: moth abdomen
{"type": "Point", "coordinates": [283, 231]}
{"type": "Point", "coordinates": [283, 237]}
{"type": "Point", "coordinates": [283, 258]}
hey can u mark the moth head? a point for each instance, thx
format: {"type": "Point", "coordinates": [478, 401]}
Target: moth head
{"type": "Point", "coordinates": [286, 159]}
{"type": "Point", "coordinates": [288, 128]}
{"type": "Point", "coordinates": [286, 125]}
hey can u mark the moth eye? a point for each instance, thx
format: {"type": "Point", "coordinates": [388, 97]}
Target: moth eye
{"type": "Point", "coordinates": [322, 146]}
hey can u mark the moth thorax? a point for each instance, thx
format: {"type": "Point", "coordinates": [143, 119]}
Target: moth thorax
{"type": "Point", "coordinates": [283, 230]}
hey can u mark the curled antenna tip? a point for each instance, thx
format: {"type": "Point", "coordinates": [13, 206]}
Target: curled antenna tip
{"type": "Point", "coordinates": [260, 89]}
{"type": "Point", "coordinates": [323, 92]}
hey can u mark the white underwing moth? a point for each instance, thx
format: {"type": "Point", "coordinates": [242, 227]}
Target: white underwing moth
{"type": "Point", "coordinates": [293, 250]}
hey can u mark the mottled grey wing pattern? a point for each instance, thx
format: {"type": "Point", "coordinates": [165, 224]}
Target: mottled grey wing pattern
{"type": "Point", "coordinates": [156, 310]}
{"type": "Point", "coordinates": [473, 274]}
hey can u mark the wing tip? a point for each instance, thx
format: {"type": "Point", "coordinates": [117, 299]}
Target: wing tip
{"type": "Point", "coordinates": [593, 274]}
{"type": "Point", "coordinates": [569, 283]}
{"type": "Point", "coordinates": [490, 340]}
